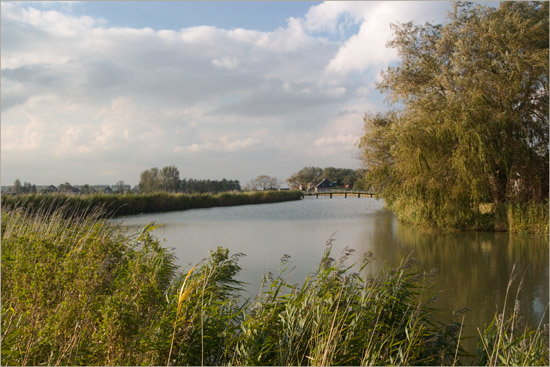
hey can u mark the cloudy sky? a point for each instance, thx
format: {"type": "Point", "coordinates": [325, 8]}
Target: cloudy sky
{"type": "Point", "coordinates": [96, 92]}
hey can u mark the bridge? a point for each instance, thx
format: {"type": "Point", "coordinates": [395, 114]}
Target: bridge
{"type": "Point", "coordinates": [344, 193]}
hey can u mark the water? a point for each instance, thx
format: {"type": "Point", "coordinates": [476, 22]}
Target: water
{"type": "Point", "coordinates": [473, 268]}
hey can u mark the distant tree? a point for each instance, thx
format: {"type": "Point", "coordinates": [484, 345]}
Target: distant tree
{"type": "Point", "coordinates": [119, 187]}
{"type": "Point", "coordinates": [27, 187]}
{"type": "Point", "coordinates": [66, 188]}
{"type": "Point", "coordinates": [86, 189]}
{"type": "Point", "coordinates": [149, 180]}
{"type": "Point", "coordinates": [305, 178]}
{"type": "Point", "coordinates": [17, 187]}
{"type": "Point", "coordinates": [341, 176]}
{"type": "Point", "coordinates": [169, 179]}
{"type": "Point", "coordinates": [213, 186]}
{"type": "Point", "coordinates": [262, 183]}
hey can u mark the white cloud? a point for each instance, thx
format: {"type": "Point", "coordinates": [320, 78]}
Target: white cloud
{"type": "Point", "coordinates": [225, 62]}
{"type": "Point", "coordinates": [336, 142]}
{"type": "Point", "coordinates": [335, 92]}
{"type": "Point", "coordinates": [367, 48]}
{"type": "Point", "coordinates": [222, 144]}
{"type": "Point", "coordinates": [218, 102]}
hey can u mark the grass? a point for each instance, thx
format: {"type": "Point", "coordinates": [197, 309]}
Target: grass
{"type": "Point", "coordinates": [504, 342]}
{"type": "Point", "coordinates": [515, 217]}
{"type": "Point", "coordinates": [77, 291]}
{"type": "Point", "coordinates": [128, 204]}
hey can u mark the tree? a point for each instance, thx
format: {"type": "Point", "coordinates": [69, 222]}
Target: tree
{"type": "Point", "coordinates": [17, 187]}
{"type": "Point", "coordinates": [148, 180]}
{"type": "Point", "coordinates": [474, 122]}
{"type": "Point", "coordinates": [27, 188]}
{"type": "Point", "coordinates": [262, 183]}
{"type": "Point", "coordinates": [341, 176]}
{"type": "Point", "coordinates": [66, 188]}
{"type": "Point", "coordinates": [305, 178]}
{"type": "Point", "coordinates": [119, 187]}
{"type": "Point", "coordinates": [86, 189]}
{"type": "Point", "coordinates": [169, 179]}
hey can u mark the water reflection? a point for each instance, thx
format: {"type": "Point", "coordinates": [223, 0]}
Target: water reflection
{"type": "Point", "coordinates": [474, 268]}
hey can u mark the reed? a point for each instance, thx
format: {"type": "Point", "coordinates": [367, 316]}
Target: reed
{"type": "Point", "coordinates": [127, 204]}
{"type": "Point", "coordinates": [77, 291]}
{"type": "Point", "coordinates": [336, 317]}
{"type": "Point", "coordinates": [506, 341]}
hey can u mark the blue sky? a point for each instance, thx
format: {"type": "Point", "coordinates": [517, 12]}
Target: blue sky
{"type": "Point", "coordinates": [96, 92]}
{"type": "Point", "coordinates": [174, 15]}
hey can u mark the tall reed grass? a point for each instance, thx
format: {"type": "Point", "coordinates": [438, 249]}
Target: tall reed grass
{"type": "Point", "coordinates": [77, 291]}
{"type": "Point", "coordinates": [515, 217]}
{"type": "Point", "coordinates": [128, 204]}
{"type": "Point", "coordinates": [527, 217]}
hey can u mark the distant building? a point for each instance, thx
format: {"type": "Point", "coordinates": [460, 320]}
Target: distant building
{"type": "Point", "coordinates": [324, 185]}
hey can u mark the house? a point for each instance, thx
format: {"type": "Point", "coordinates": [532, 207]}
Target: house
{"type": "Point", "coordinates": [324, 185]}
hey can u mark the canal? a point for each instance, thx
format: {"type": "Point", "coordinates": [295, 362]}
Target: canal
{"type": "Point", "coordinates": [468, 269]}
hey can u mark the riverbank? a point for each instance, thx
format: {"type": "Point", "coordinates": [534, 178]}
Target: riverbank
{"type": "Point", "coordinates": [76, 291]}
{"type": "Point", "coordinates": [128, 204]}
{"type": "Point", "coordinates": [514, 217]}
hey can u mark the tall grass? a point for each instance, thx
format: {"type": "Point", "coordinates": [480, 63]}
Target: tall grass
{"type": "Point", "coordinates": [146, 203]}
{"type": "Point", "coordinates": [505, 342]}
{"type": "Point", "coordinates": [77, 291]}
{"type": "Point", "coordinates": [516, 217]}
{"type": "Point", "coordinates": [528, 217]}
{"type": "Point", "coordinates": [336, 317]}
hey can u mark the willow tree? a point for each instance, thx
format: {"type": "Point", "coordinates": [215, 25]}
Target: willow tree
{"type": "Point", "coordinates": [473, 122]}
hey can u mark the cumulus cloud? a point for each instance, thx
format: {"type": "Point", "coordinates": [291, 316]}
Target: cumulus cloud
{"type": "Point", "coordinates": [97, 104]}
{"type": "Point", "coordinates": [367, 48]}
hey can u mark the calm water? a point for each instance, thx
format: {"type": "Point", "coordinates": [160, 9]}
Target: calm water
{"type": "Point", "coordinates": [473, 268]}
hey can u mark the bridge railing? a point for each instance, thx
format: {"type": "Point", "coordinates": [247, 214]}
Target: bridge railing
{"type": "Point", "coordinates": [340, 192]}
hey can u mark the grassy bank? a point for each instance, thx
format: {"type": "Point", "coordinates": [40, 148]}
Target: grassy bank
{"type": "Point", "coordinates": [76, 291]}
{"type": "Point", "coordinates": [520, 217]}
{"type": "Point", "coordinates": [523, 217]}
{"type": "Point", "coordinates": [128, 204]}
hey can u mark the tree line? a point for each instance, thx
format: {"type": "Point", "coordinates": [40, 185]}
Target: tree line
{"type": "Point", "coordinates": [66, 188]}
{"type": "Point", "coordinates": [168, 179]}
{"type": "Point", "coordinates": [472, 127]}
{"type": "Point", "coordinates": [343, 178]}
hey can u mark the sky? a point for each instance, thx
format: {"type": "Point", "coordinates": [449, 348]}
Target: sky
{"type": "Point", "coordinates": [97, 92]}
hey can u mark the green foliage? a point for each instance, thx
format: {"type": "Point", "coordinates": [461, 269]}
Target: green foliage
{"type": "Point", "coordinates": [525, 217]}
{"type": "Point", "coordinates": [336, 317]}
{"type": "Point", "coordinates": [305, 178]}
{"type": "Point", "coordinates": [166, 179]}
{"type": "Point", "coordinates": [308, 177]}
{"type": "Point", "coordinates": [210, 316]}
{"type": "Point", "coordinates": [263, 182]}
{"type": "Point", "coordinates": [75, 291]}
{"type": "Point", "coordinates": [474, 127]}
